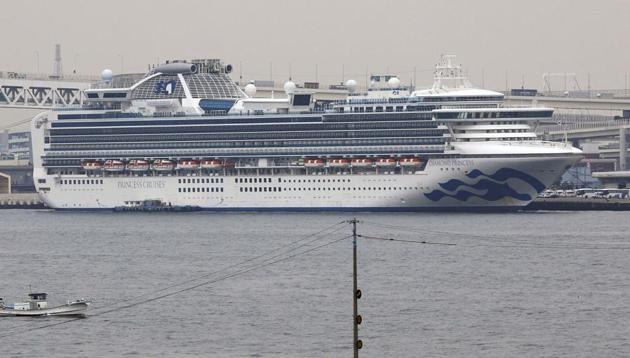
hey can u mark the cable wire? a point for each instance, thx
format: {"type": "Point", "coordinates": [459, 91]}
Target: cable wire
{"type": "Point", "coordinates": [240, 272]}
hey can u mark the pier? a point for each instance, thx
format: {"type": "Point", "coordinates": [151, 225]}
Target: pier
{"type": "Point", "coordinates": [21, 201]}
{"type": "Point", "coordinates": [579, 204]}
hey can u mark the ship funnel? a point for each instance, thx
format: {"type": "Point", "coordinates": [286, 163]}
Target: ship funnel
{"type": "Point", "coordinates": [176, 68]}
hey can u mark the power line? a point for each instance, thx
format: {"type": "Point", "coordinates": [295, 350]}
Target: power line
{"type": "Point", "coordinates": [516, 242]}
{"type": "Point", "coordinates": [17, 123]}
{"type": "Point", "coordinates": [406, 241]}
{"type": "Point", "coordinates": [317, 235]}
{"type": "Point", "coordinates": [240, 272]}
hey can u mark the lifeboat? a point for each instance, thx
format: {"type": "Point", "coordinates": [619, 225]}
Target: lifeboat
{"type": "Point", "coordinates": [138, 165]}
{"type": "Point", "coordinates": [113, 165]}
{"type": "Point", "coordinates": [314, 163]}
{"type": "Point", "coordinates": [338, 163]}
{"type": "Point", "coordinates": [188, 164]}
{"type": "Point", "coordinates": [386, 162]}
{"type": "Point", "coordinates": [211, 164]}
{"type": "Point", "coordinates": [361, 162]}
{"type": "Point", "coordinates": [162, 165]}
{"type": "Point", "coordinates": [92, 165]}
{"type": "Point", "coordinates": [410, 162]}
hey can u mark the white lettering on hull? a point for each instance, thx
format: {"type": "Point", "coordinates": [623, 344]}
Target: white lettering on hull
{"type": "Point", "coordinates": [141, 184]}
{"type": "Point", "coordinates": [467, 163]}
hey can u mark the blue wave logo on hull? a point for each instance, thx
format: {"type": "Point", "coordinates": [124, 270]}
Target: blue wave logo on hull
{"type": "Point", "coordinates": [495, 186]}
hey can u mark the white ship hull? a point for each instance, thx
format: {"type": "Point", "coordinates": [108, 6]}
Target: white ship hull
{"type": "Point", "coordinates": [490, 183]}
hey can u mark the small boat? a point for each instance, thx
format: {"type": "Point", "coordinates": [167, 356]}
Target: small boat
{"type": "Point", "coordinates": [410, 162]}
{"type": "Point", "coordinates": [92, 165]}
{"type": "Point", "coordinates": [211, 164]}
{"type": "Point", "coordinates": [36, 305]}
{"type": "Point", "coordinates": [162, 165]}
{"type": "Point", "coordinates": [314, 163]}
{"type": "Point", "coordinates": [113, 165]}
{"type": "Point", "coordinates": [361, 162]}
{"type": "Point", "coordinates": [386, 162]}
{"type": "Point", "coordinates": [138, 165]}
{"type": "Point", "coordinates": [188, 165]}
{"type": "Point", "coordinates": [338, 163]}
{"type": "Point", "coordinates": [154, 206]}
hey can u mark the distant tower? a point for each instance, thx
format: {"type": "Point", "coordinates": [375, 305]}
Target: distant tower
{"type": "Point", "coordinates": [57, 68]}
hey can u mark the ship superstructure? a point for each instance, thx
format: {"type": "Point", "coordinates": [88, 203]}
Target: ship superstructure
{"type": "Point", "coordinates": [185, 134]}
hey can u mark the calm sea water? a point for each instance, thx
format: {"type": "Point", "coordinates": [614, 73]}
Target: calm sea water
{"type": "Point", "coordinates": [517, 284]}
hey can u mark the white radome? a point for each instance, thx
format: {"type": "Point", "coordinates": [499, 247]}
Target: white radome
{"type": "Point", "coordinates": [393, 82]}
{"type": "Point", "coordinates": [107, 74]}
{"type": "Point", "coordinates": [289, 87]}
{"type": "Point", "coordinates": [250, 89]}
{"type": "Point", "coordinates": [351, 85]}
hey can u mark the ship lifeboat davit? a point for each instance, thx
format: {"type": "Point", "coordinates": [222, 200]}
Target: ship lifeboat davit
{"type": "Point", "coordinates": [314, 163]}
{"type": "Point", "coordinates": [386, 162]}
{"type": "Point", "coordinates": [162, 165]}
{"type": "Point", "coordinates": [338, 163]}
{"type": "Point", "coordinates": [187, 165]}
{"type": "Point", "coordinates": [138, 165]}
{"type": "Point", "coordinates": [211, 164]}
{"type": "Point", "coordinates": [113, 165]}
{"type": "Point", "coordinates": [91, 165]}
{"type": "Point", "coordinates": [410, 162]}
{"type": "Point", "coordinates": [362, 162]}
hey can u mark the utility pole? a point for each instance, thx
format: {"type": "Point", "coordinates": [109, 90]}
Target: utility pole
{"type": "Point", "coordinates": [357, 343]}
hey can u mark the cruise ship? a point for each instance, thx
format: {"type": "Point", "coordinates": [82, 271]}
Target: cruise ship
{"type": "Point", "coordinates": [185, 134]}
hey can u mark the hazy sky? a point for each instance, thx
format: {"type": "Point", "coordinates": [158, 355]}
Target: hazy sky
{"type": "Point", "coordinates": [524, 38]}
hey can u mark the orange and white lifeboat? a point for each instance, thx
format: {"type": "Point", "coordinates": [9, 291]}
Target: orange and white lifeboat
{"type": "Point", "coordinates": [410, 162]}
{"type": "Point", "coordinates": [162, 165]}
{"type": "Point", "coordinates": [362, 162]}
{"type": "Point", "coordinates": [338, 163]}
{"type": "Point", "coordinates": [113, 165]}
{"type": "Point", "coordinates": [386, 162]}
{"type": "Point", "coordinates": [188, 164]}
{"type": "Point", "coordinates": [211, 164]}
{"type": "Point", "coordinates": [138, 165]}
{"type": "Point", "coordinates": [314, 163]}
{"type": "Point", "coordinates": [89, 165]}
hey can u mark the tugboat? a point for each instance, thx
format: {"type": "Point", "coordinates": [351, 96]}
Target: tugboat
{"type": "Point", "coordinates": [36, 305]}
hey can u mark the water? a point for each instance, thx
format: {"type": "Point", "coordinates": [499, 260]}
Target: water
{"type": "Point", "coordinates": [519, 284]}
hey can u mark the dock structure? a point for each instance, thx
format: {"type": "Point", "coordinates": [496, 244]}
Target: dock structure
{"type": "Point", "coordinates": [21, 201]}
{"type": "Point", "coordinates": [579, 204]}
{"type": "Point", "coordinates": [16, 176]}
